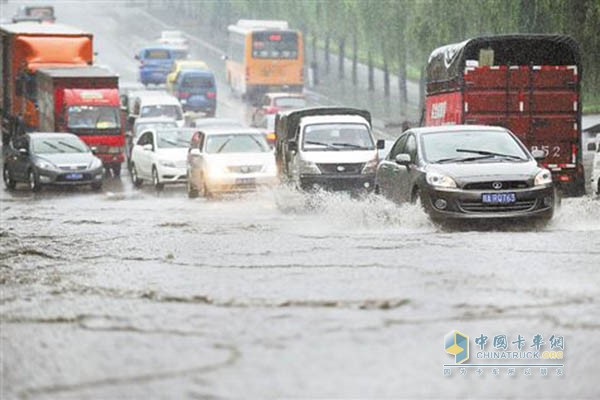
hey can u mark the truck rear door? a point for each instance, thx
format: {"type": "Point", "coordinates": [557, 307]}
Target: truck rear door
{"type": "Point", "coordinates": [538, 103]}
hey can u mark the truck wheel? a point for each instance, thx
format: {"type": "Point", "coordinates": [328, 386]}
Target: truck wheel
{"type": "Point", "coordinates": [34, 181]}
{"type": "Point", "coordinates": [156, 181]}
{"type": "Point", "coordinates": [9, 182]}
{"type": "Point", "coordinates": [137, 182]}
{"type": "Point", "coordinates": [116, 169]}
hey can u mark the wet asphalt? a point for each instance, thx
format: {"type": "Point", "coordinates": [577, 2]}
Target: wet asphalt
{"type": "Point", "coordinates": [132, 293]}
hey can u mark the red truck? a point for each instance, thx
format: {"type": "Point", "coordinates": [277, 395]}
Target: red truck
{"type": "Point", "coordinates": [529, 84]}
{"type": "Point", "coordinates": [84, 101]}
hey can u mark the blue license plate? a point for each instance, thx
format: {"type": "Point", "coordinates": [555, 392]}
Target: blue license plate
{"type": "Point", "coordinates": [74, 177]}
{"type": "Point", "coordinates": [498, 198]}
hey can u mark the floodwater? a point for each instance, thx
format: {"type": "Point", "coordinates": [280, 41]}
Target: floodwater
{"type": "Point", "coordinates": [133, 294]}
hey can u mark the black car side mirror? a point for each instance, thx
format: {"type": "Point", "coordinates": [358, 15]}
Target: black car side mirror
{"type": "Point", "coordinates": [292, 146]}
{"type": "Point", "coordinates": [381, 144]}
{"type": "Point", "coordinates": [403, 159]}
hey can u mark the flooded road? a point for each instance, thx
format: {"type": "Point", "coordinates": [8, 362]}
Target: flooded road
{"type": "Point", "coordinates": [130, 293]}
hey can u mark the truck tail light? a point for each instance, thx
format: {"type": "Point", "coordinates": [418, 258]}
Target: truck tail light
{"type": "Point", "coordinates": [183, 95]}
{"type": "Point", "coordinates": [211, 95]}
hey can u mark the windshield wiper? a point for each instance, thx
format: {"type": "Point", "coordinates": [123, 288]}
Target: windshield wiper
{"type": "Point", "coordinates": [77, 149]}
{"type": "Point", "coordinates": [223, 145]}
{"type": "Point", "coordinates": [329, 146]}
{"type": "Point", "coordinates": [460, 159]}
{"type": "Point", "coordinates": [490, 154]}
{"type": "Point", "coordinates": [53, 146]}
{"type": "Point", "coordinates": [354, 146]}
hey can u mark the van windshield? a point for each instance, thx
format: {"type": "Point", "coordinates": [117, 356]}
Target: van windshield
{"type": "Point", "coordinates": [162, 110]}
{"type": "Point", "coordinates": [344, 136]}
{"type": "Point", "coordinates": [157, 54]}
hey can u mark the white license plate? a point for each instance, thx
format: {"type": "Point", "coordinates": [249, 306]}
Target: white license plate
{"type": "Point", "coordinates": [498, 198]}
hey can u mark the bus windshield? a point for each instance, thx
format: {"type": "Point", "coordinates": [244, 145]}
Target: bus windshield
{"type": "Point", "coordinates": [275, 45]}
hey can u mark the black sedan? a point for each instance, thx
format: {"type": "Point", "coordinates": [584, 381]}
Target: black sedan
{"type": "Point", "coordinates": [466, 172]}
{"type": "Point", "coordinates": [51, 159]}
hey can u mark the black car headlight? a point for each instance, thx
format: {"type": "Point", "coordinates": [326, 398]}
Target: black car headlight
{"type": "Point", "coordinates": [440, 180]}
{"type": "Point", "coordinates": [544, 177]}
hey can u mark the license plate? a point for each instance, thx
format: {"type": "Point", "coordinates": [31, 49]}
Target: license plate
{"type": "Point", "coordinates": [498, 198]}
{"type": "Point", "coordinates": [73, 177]}
{"type": "Point", "coordinates": [245, 181]}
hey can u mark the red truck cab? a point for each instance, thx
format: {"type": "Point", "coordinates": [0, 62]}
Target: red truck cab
{"type": "Point", "coordinates": [529, 84]}
{"type": "Point", "coordinates": [84, 101]}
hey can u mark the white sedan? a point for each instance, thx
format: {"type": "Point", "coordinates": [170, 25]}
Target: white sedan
{"type": "Point", "coordinates": [229, 159]}
{"type": "Point", "coordinates": [159, 156]}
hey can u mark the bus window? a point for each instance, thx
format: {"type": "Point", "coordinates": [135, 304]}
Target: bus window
{"type": "Point", "coordinates": [275, 44]}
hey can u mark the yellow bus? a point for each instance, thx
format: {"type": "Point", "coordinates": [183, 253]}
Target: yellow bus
{"type": "Point", "coordinates": [264, 56]}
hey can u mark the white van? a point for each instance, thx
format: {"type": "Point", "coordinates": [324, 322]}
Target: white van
{"type": "Point", "coordinates": [158, 105]}
{"type": "Point", "coordinates": [327, 148]}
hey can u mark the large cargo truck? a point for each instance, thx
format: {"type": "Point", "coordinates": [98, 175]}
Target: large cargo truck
{"type": "Point", "coordinates": [84, 101]}
{"type": "Point", "coordinates": [529, 84]}
{"type": "Point", "coordinates": [24, 48]}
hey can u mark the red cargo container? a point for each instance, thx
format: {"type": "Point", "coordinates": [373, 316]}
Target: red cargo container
{"type": "Point", "coordinates": [529, 84]}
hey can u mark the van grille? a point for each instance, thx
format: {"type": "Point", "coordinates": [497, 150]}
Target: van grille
{"type": "Point", "coordinates": [353, 168]}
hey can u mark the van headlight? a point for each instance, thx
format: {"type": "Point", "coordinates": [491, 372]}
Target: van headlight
{"type": "Point", "coordinates": [308, 167]}
{"type": "Point", "coordinates": [371, 166]}
{"type": "Point", "coordinates": [439, 180]}
{"type": "Point", "coordinates": [544, 177]}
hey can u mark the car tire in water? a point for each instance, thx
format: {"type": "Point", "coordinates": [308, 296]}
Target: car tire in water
{"type": "Point", "coordinates": [9, 182]}
{"type": "Point", "coordinates": [34, 181]}
{"type": "Point", "coordinates": [156, 180]}
{"type": "Point", "coordinates": [137, 182]}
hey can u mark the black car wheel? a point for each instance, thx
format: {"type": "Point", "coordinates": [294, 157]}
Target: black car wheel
{"type": "Point", "coordinates": [137, 182]}
{"type": "Point", "coordinates": [34, 181]}
{"type": "Point", "coordinates": [9, 182]}
{"type": "Point", "coordinates": [156, 181]}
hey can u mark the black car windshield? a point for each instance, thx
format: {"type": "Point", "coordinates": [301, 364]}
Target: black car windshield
{"type": "Point", "coordinates": [343, 136]}
{"type": "Point", "coordinates": [93, 117]}
{"type": "Point", "coordinates": [237, 143]}
{"type": "Point", "coordinates": [470, 146]}
{"type": "Point", "coordinates": [173, 138]}
{"type": "Point", "coordinates": [162, 110]}
{"type": "Point", "coordinates": [54, 145]}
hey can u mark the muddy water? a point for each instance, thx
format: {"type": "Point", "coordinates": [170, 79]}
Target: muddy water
{"type": "Point", "coordinates": [272, 295]}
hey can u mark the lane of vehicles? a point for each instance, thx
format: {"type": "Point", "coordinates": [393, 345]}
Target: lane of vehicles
{"type": "Point", "coordinates": [529, 84]}
{"type": "Point", "coordinates": [60, 159]}
{"type": "Point", "coordinates": [466, 172]}
{"type": "Point", "coordinates": [230, 159]}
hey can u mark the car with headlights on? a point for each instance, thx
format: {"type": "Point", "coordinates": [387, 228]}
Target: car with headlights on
{"type": "Point", "coordinates": [49, 158]}
{"type": "Point", "coordinates": [467, 172]}
{"type": "Point", "coordinates": [229, 159]}
{"type": "Point", "coordinates": [159, 156]}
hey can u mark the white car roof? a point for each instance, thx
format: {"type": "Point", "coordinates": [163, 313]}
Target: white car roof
{"type": "Point", "coordinates": [231, 130]}
{"type": "Point", "coordinates": [333, 119]}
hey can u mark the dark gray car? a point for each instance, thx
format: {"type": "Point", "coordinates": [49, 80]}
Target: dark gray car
{"type": "Point", "coordinates": [466, 171]}
{"type": "Point", "coordinates": [40, 159]}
